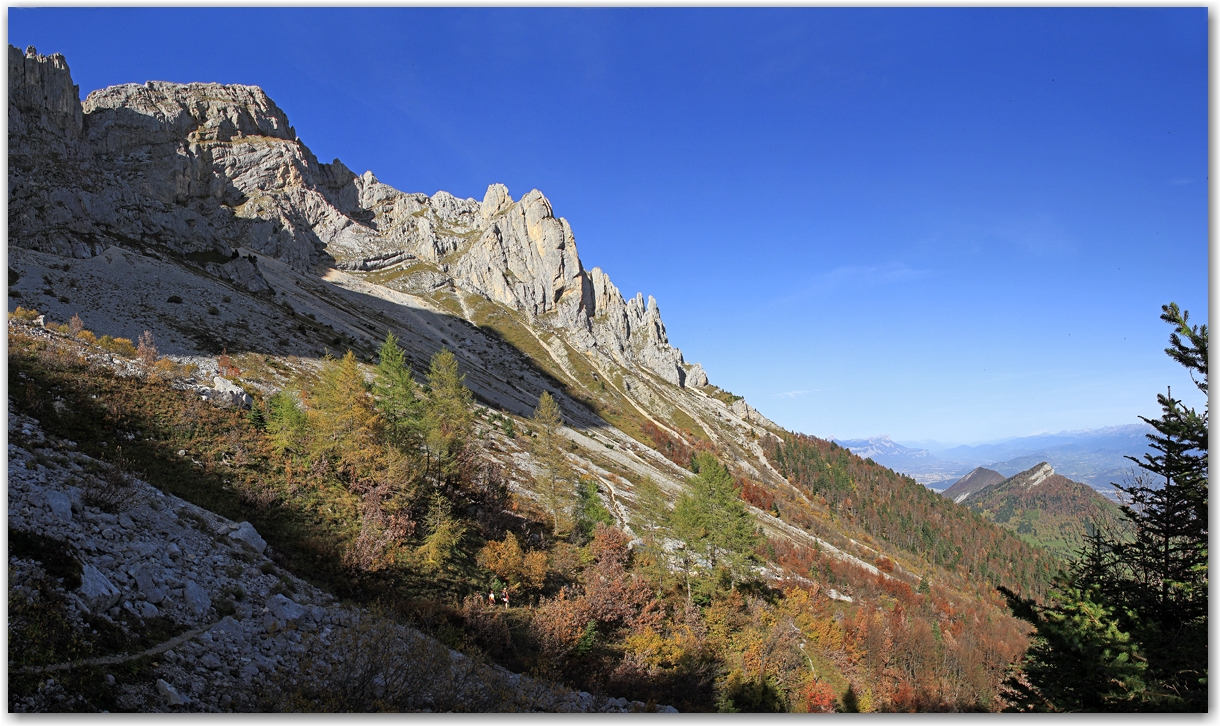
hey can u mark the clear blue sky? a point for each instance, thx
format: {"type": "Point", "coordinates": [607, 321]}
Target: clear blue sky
{"type": "Point", "coordinates": [951, 224]}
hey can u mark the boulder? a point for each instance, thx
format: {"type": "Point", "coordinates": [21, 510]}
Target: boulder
{"type": "Point", "coordinates": [196, 597]}
{"type": "Point", "coordinates": [247, 535]}
{"type": "Point", "coordinates": [144, 580]}
{"type": "Point", "coordinates": [96, 590]}
{"type": "Point", "coordinates": [284, 609]}
{"type": "Point", "coordinates": [229, 393]}
{"type": "Point", "coordinates": [59, 504]}
{"type": "Point", "coordinates": [171, 696]}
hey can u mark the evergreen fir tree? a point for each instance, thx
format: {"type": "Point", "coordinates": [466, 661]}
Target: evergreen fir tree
{"type": "Point", "coordinates": [397, 397]}
{"type": "Point", "coordinates": [1128, 626]}
{"type": "Point", "coordinates": [712, 521]}
{"type": "Point", "coordinates": [589, 509]}
{"type": "Point", "coordinates": [448, 421]}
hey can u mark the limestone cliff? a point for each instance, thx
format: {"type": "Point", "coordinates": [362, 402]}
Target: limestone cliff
{"type": "Point", "coordinates": [206, 168]}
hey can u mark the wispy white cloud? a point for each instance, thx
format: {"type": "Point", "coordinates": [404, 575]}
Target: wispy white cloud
{"type": "Point", "coordinates": [797, 394]}
{"type": "Point", "coordinates": [853, 276]}
{"type": "Point", "coordinates": [870, 275]}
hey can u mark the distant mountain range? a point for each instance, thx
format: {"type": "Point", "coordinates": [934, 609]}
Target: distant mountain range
{"type": "Point", "coordinates": [1042, 507]}
{"type": "Point", "coordinates": [1093, 456]}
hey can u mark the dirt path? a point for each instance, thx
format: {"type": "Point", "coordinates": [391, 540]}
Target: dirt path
{"type": "Point", "coordinates": [116, 659]}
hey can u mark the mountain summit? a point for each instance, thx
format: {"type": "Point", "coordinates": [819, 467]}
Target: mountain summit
{"type": "Point", "coordinates": [1043, 507]}
{"type": "Point", "coordinates": [206, 169]}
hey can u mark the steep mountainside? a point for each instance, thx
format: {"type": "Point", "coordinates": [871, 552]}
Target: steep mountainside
{"type": "Point", "coordinates": [195, 213]}
{"type": "Point", "coordinates": [198, 191]}
{"type": "Point", "coordinates": [976, 480]}
{"type": "Point", "coordinates": [1042, 507]}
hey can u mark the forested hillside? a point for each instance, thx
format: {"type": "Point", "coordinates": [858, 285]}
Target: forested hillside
{"type": "Point", "coordinates": [898, 511]}
{"type": "Point", "coordinates": [1046, 509]}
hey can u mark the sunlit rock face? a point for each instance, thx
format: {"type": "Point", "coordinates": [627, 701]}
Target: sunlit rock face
{"type": "Point", "coordinates": [207, 169]}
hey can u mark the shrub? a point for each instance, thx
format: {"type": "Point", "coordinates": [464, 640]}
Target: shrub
{"type": "Point", "coordinates": [76, 324]}
{"type": "Point", "coordinates": [166, 368]}
{"type": "Point", "coordinates": [225, 367]}
{"type": "Point", "coordinates": [520, 569]}
{"type": "Point", "coordinates": [174, 299]}
{"type": "Point", "coordinates": [118, 346]}
{"type": "Point", "coordinates": [213, 310]}
{"type": "Point", "coordinates": [146, 351]}
{"type": "Point", "coordinates": [23, 315]}
{"type": "Point", "coordinates": [87, 336]}
{"type": "Point", "coordinates": [109, 492]}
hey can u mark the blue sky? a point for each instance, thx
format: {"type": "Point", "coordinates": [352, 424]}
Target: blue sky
{"type": "Point", "coordinates": [951, 224]}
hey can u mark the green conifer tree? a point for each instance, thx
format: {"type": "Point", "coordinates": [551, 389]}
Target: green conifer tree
{"type": "Point", "coordinates": [448, 421]}
{"type": "Point", "coordinates": [589, 508]}
{"type": "Point", "coordinates": [713, 522]}
{"type": "Point", "coordinates": [398, 398]}
{"type": "Point", "coordinates": [1127, 627]}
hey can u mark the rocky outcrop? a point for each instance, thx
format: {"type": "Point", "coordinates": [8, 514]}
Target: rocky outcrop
{"type": "Point", "coordinates": [208, 169]}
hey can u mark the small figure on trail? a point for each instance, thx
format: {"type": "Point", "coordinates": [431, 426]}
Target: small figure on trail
{"type": "Point", "coordinates": [504, 595]}
{"type": "Point", "coordinates": [491, 597]}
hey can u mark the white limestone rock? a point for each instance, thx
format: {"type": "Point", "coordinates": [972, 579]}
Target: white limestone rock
{"type": "Point", "coordinates": [96, 590]}
{"type": "Point", "coordinates": [230, 393]}
{"type": "Point", "coordinates": [196, 598]}
{"type": "Point", "coordinates": [248, 536]}
{"type": "Point", "coordinates": [695, 376]}
{"type": "Point", "coordinates": [170, 694]}
{"type": "Point", "coordinates": [59, 504]}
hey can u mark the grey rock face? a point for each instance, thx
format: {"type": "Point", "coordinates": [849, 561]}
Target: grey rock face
{"type": "Point", "coordinates": [196, 598]}
{"type": "Point", "coordinates": [695, 377]}
{"type": "Point", "coordinates": [282, 608]}
{"type": "Point", "coordinates": [96, 590]}
{"type": "Point", "coordinates": [208, 168]}
{"type": "Point", "coordinates": [247, 535]}
{"type": "Point", "coordinates": [59, 504]}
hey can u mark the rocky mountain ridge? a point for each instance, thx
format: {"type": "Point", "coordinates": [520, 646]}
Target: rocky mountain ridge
{"type": "Point", "coordinates": [205, 169]}
{"type": "Point", "coordinates": [195, 214]}
{"type": "Point", "coordinates": [1038, 504]}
